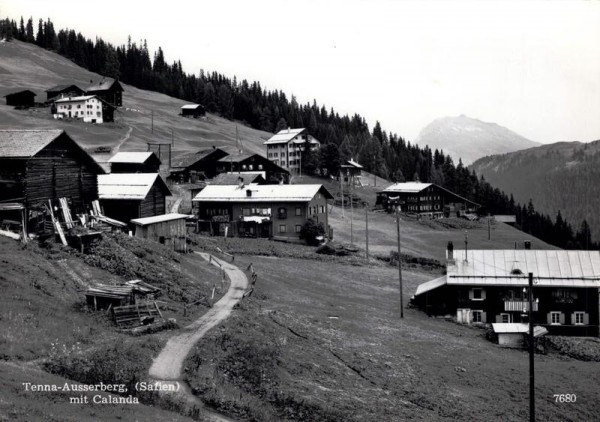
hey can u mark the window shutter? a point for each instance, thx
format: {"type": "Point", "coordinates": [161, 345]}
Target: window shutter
{"type": "Point", "coordinates": [498, 318]}
{"type": "Point", "coordinates": [471, 294]}
{"type": "Point", "coordinates": [549, 318]}
{"type": "Point", "coordinates": [562, 318]}
{"type": "Point", "coordinates": [483, 295]}
{"type": "Point", "coordinates": [483, 316]}
{"type": "Point", "coordinates": [573, 320]}
{"type": "Point", "coordinates": [586, 318]}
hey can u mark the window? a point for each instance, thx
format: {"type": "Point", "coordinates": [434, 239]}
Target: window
{"type": "Point", "coordinates": [477, 316]}
{"type": "Point", "coordinates": [98, 114]}
{"type": "Point", "coordinates": [251, 167]}
{"type": "Point", "coordinates": [298, 211]}
{"type": "Point", "coordinates": [282, 228]}
{"type": "Point", "coordinates": [298, 228]}
{"type": "Point", "coordinates": [322, 209]}
{"type": "Point", "coordinates": [555, 318]}
{"type": "Point", "coordinates": [282, 212]}
{"type": "Point", "coordinates": [245, 211]}
{"type": "Point", "coordinates": [579, 318]}
{"type": "Point", "coordinates": [260, 166]}
{"type": "Point", "coordinates": [505, 318]}
{"type": "Point", "coordinates": [477, 294]}
{"type": "Point", "coordinates": [243, 166]}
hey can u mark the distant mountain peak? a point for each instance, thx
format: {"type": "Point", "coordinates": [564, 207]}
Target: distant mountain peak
{"type": "Point", "coordinates": [469, 138]}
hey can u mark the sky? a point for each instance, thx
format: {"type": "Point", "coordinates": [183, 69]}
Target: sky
{"type": "Point", "coordinates": [533, 67]}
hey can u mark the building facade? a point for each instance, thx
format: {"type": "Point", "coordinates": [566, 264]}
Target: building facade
{"type": "Point", "coordinates": [491, 286]}
{"type": "Point", "coordinates": [88, 108]}
{"type": "Point", "coordinates": [285, 148]}
{"type": "Point", "coordinates": [24, 98]}
{"type": "Point", "coordinates": [274, 211]}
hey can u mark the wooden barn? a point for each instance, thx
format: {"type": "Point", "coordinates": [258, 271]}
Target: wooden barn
{"type": "Point", "coordinates": [108, 90]}
{"type": "Point", "coordinates": [41, 165]}
{"type": "Point", "coordinates": [252, 163]}
{"type": "Point", "coordinates": [167, 229]}
{"type": "Point", "coordinates": [198, 166]}
{"type": "Point", "coordinates": [126, 196]}
{"type": "Point", "coordinates": [193, 110]}
{"type": "Point", "coordinates": [237, 178]}
{"type": "Point", "coordinates": [351, 172]}
{"type": "Point", "coordinates": [61, 91]}
{"type": "Point", "coordinates": [24, 98]}
{"type": "Point", "coordinates": [134, 162]}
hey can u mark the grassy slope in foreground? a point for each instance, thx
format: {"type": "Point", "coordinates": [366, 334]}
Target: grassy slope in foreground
{"type": "Point", "coordinates": [281, 356]}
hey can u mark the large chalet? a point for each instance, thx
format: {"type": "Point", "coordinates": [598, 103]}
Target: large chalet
{"type": "Point", "coordinates": [286, 146]}
{"type": "Point", "coordinates": [491, 286]}
{"type": "Point", "coordinates": [108, 90]}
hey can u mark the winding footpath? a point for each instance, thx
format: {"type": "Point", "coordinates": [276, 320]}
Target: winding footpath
{"type": "Point", "coordinates": [166, 369]}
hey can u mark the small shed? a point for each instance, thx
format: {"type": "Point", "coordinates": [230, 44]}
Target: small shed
{"type": "Point", "coordinates": [102, 296]}
{"type": "Point", "coordinates": [25, 98]}
{"type": "Point", "coordinates": [167, 229]}
{"type": "Point", "coordinates": [193, 110]}
{"type": "Point", "coordinates": [134, 162]}
{"type": "Point", "coordinates": [513, 334]}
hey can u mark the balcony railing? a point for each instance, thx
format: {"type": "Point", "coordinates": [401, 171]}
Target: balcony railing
{"type": "Point", "coordinates": [519, 305]}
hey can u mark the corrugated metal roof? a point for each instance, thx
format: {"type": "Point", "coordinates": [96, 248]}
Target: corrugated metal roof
{"type": "Point", "coordinates": [260, 193]}
{"type": "Point", "coordinates": [75, 99]}
{"type": "Point", "coordinates": [159, 219]}
{"type": "Point", "coordinates": [511, 266]}
{"type": "Point", "coordinates": [407, 187]}
{"type": "Point", "coordinates": [284, 135]}
{"type": "Point", "coordinates": [126, 185]}
{"type": "Point", "coordinates": [130, 157]}
{"type": "Point", "coordinates": [25, 143]}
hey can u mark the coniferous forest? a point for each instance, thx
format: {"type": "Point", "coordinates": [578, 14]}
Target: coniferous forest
{"type": "Point", "coordinates": [383, 153]}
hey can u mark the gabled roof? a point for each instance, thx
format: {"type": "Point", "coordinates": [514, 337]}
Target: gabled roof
{"type": "Point", "coordinates": [133, 157]}
{"type": "Point", "coordinates": [103, 85]}
{"type": "Point", "coordinates": [351, 163]}
{"type": "Point", "coordinates": [135, 186]}
{"type": "Point", "coordinates": [284, 135]}
{"type": "Point", "coordinates": [75, 99]}
{"type": "Point", "coordinates": [25, 143]}
{"type": "Point", "coordinates": [261, 193]}
{"type": "Point", "coordinates": [236, 158]}
{"type": "Point", "coordinates": [192, 158]}
{"type": "Point", "coordinates": [62, 88]}
{"type": "Point", "coordinates": [21, 92]}
{"type": "Point", "coordinates": [191, 106]}
{"type": "Point", "coordinates": [158, 219]}
{"type": "Point", "coordinates": [407, 187]}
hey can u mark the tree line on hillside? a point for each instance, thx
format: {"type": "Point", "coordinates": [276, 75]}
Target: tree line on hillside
{"type": "Point", "coordinates": [383, 153]}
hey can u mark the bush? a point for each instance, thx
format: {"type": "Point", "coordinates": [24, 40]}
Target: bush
{"type": "Point", "coordinates": [310, 231]}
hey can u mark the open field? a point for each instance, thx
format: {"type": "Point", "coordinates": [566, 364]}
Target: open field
{"type": "Point", "coordinates": [282, 355]}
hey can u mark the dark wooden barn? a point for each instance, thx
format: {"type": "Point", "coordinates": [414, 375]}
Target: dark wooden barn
{"type": "Point", "coordinates": [193, 110]}
{"type": "Point", "coordinates": [125, 196]}
{"type": "Point", "coordinates": [60, 91]}
{"type": "Point", "coordinates": [253, 163]}
{"type": "Point", "coordinates": [109, 90]}
{"type": "Point", "coordinates": [24, 98]}
{"type": "Point", "coordinates": [134, 162]}
{"type": "Point", "coordinates": [198, 166]}
{"type": "Point", "coordinates": [41, 165]}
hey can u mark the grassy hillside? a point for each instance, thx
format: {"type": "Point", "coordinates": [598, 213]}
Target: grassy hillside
{"type": "Point", "coordinates": [562, 176]}
{"type": "Point", "coordinates": [26, 66]}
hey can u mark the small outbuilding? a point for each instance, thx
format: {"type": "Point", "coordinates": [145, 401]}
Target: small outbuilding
{"type": "Point", "coordinates": [167, 229]}
{"type": "Point", "coordinates": [134, 162]}
{"type": "Point", "coordinates": [513, 334]}
{"type": "Point", "coordinates": [126, 196]}
{"type": "Point", "coordinates": [193, 110]}
{"type": "Point", "coordinates": [25, 98]}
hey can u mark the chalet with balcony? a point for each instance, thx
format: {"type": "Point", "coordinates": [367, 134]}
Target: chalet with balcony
{"type": "Point", "coordinates": [491, 286]}
{"type": "Point", "coordinates": [285, 148]}
{"type": "Point", "coordinates": [424, 199]}
{"type": "Point", "coordinates": [274, 211]}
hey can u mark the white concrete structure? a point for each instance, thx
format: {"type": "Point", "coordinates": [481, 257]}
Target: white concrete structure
{"type": "Point", "coordinates": [87, 107]}
{"type": "Point", "coordinates": [284, 148]}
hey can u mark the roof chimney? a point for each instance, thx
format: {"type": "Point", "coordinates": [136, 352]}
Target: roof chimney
{"type": "Point", "coordinates": [248, 192]}
{"type": "Point", "coordinates": [289, 128]}
{"type": "Point", "coordinates": [450, 252]}
{"type": "Point", "coordinates": [527, 244]}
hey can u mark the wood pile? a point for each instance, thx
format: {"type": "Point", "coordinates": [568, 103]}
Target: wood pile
{"type": "Point", "coordinates": [136, 315]}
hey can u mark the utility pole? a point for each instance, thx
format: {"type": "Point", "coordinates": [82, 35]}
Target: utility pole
{"type": "Point", "coordinates": [172, 138]}
{"type": "Point", "coordinates": [531, 354]}
{"type": "Point", "coordinates": [367, 228]}
{"type": "Point", "coordinates": [342, 188]}
{"type": "Point", "coordinates": [399, 264]}
{"type": "Point", "coordinates": [489, 227]}
{"type": "Point", "coordinates": [351, 213]}
{"type": "Point", "coordinates": [152, 121]}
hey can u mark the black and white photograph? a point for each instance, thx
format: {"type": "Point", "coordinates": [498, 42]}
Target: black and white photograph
{"type": "Point", "coordinates": [299, 210]}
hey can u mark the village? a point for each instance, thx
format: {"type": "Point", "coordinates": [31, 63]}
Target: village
{"type": "Point", "coordinates": [229, 253]}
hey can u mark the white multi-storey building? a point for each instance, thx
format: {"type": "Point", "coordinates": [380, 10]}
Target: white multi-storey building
{"type": "Point", "coordinates": [87, 107]}
{"type": "Point", "coordinates": [285, 147]}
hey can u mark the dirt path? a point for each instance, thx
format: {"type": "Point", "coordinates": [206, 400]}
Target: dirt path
{"type": "Point", "coordinates": [166, 367]}
{"type": "Point", "coordinates": [117, 147]}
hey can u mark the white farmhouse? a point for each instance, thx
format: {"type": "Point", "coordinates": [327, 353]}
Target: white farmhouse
{"type": "Point", "coordinates": [284, 148]}
{"type": "Point", "coordinates": [87, 107]}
